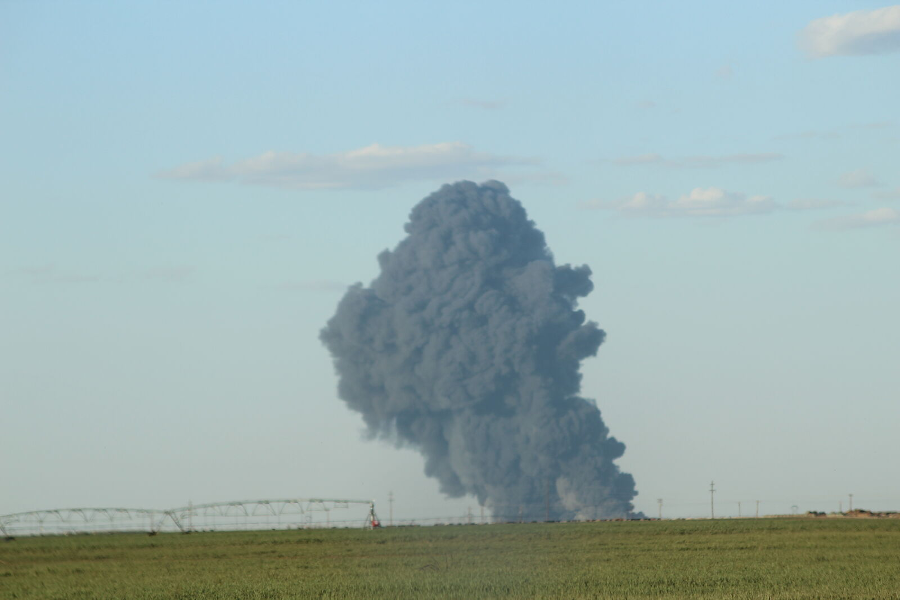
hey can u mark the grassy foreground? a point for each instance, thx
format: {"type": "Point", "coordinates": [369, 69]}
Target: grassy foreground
{"type": "Point", "coordinates": [765, 558]}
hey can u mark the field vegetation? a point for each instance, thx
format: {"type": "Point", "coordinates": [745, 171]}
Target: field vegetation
{"type": "Point", "coordinates": [751, 558]}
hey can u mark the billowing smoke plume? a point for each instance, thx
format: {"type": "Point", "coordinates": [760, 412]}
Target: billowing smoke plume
{"type": "Point", "coordinates": [467, 347]}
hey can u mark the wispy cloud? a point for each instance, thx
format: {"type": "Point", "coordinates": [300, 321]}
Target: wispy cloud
{"type": "Point", "coordinates": [696, 162]}
{"type": "Point", "coordinates": [210, 169]}
{"type": "Point", "coordinates": [874, 125]}
{"type": "Point", "coordinates": [724, 72]}
{"type": "Point", "coordinates": [50, 273]}
{"type": "Point", "coordinates": [813, 204]}
{"type": "Point", "coordinates": [879, 217]}
{"type": "Point", "coordinates": [700, 202]}
{"type": "Point", "coordinates": [853, 34]}
{"type": "Point", "coordinates": [893, 194]}
{"type": "Point", "coordinates": [371, 167]}
{"type": "Point", "coordinates": [640, 159]}
{"type": "Point", "coordinates": [809, 135]}
{"type": "Point", "coordinates": [859, 178]}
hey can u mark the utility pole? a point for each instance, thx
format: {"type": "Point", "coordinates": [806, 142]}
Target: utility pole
{"type": "Point", "coordinates": [851, 502]}
{"type": "Point", "coordinates": [482, 514]}
{"type": "Point", "coordinates": [757, 509]}
{"type": "Point", "coordinates": [547, 500]}
{"type": "Point", "coordinates": [659, 501]}
{"type": "Point", "coordinates": [841, 506]}
{"type": "Point", "coordinates": [739, 509]}
{"type": "Point", "coordinates": [712, 505]}
{"type": "Point", "coordinates": [391, 504]}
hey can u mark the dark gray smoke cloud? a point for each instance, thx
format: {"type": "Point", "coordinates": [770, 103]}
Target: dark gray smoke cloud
{"type": "Point", "coordinates": [467, 347]}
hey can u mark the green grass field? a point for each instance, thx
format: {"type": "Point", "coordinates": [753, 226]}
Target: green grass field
{"type": "Point", "coordinates": [764, 558]}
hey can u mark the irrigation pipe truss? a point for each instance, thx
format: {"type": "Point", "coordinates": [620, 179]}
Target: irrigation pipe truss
{"type": "Point", "coordinates": [153, 520]}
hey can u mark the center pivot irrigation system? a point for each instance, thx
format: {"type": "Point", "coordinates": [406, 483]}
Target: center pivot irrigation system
{"type": "Point", "coordinates": [291, 513]}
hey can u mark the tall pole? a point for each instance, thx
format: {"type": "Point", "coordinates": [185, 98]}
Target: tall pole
{"type": "Point", "coordinates": [659, 501]}
{"type": "Point", "coordinates": [851, 502]}
{"type": "Point", "coordinates": [712, 505]}
{"type": "Point", "coordinates": [547, 500]}
{"type": "Point", "coordinates": [757, 509]}
{"type": "Point", "coordinates": [739, 509]}
{"type": "Point", "coordinates": [391, 504]}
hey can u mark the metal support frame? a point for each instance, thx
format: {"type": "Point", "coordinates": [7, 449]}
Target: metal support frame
{"type": "Point", "coordinates": [96, 520]}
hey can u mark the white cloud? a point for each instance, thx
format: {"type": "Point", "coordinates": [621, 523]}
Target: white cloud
{"type": "Point", "coordinates": [696, 162]}
{"type": "Point", "coordinates": [856, 33]}
{"type": "Point", "coordinates": [643, 202]}
{"type": "Point", "coordinates": [700, 202]}
{"type": "Point", "coordinates": [860, 178]}
{"type": "Point", "coordinates": [371, 167]}
{"type": "Point", "coordinates": [717, 202]}
{"type": "Point", "coordinates": [872, 218]}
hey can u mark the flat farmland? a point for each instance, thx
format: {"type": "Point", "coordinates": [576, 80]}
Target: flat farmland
{"type": "Point", "coordinates": [751, 558]}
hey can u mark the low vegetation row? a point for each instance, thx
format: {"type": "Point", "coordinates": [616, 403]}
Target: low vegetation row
{"type": "Point", "coordinates": [749, 558]}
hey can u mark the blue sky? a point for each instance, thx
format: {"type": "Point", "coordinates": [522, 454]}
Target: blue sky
{"type": "Point", "coordinates": [187, 188]}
